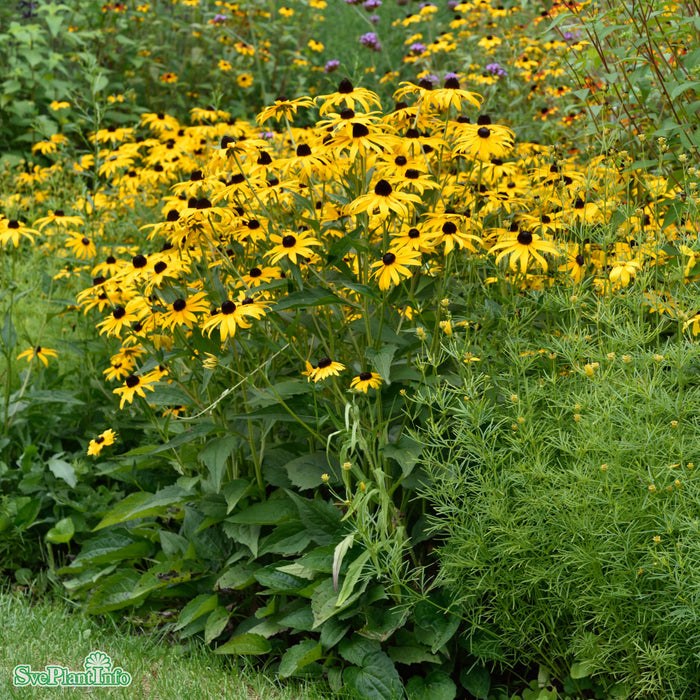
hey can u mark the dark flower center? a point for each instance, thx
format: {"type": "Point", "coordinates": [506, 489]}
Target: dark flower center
{"type": "Point", "coordinates": [196, 175]}
{"type": "Point", "coordinates": [228, 307]}
{"type": "Point", "coordinates": [579, 260]}
{"type": "Point", "coordinates": [139, 261]}
{"type": "Point", "coordinates": [412, 174]}
{"type": "Point", "coordinates": [247, 301]}
{"type": "Point", "coordinates": [226, 140]}
{"type": "Point", "coordinates": [524, 238]}
{"type": "Point", "coordinates": [203, 203]}
{"type": "Point", "coordinates": [579, 203]}
{"type": "Point", "coordinates": [303, 150]}
{"type": "Point", "coordinates": [483, 120]}
{"type": "Point", "coordinates": [159, 267]}
{"type": "Point", "coordinates": [99, 440]}
{"type": "Point", "coordinates": [365, 376]}
{"type": "Point", "coordinates": [347, 113]}
{"type": "Point", "coordinates": [449, 228]}
{"type": "Point", "coordinates": [388, 258]}
{"type": "Point", "coordinates": [324, 362]}
{"type": "Point", "coordinates": [414, 233]}
{"type": "Point", "coordinates": [382, 188]}
{"type": "Point", "coordinates": [546, 219]}
{"type": "Point", "coordinates": [132, 380]}
{"type": "Point", "coordinates": [98, 280]}
{"type": "Point", "coordinates": [253, 224]}
{"type": "Point", "coordinates": [173, 215]}
{"type": "Point", "coordinates": [111, 260]}
{"type": "Point", "coordinates": [400, 161]}
{"type": "Point", "coordinates": [425, 83]}
{"type": "Point", "coordinates": [452, 84]}
{"type": "Point", "coordinates": [237, 179]}
{"type": "Point", "coordinates": [264, 159]}
{"type": "Point", "coordinates": [255, 272]}
{"type": "Point", "coordinates": [85, 241]}
{"type": "Point", "coordinates": [289, 241]}
{"type": "Point", "coordinates": [119, 312]}
{"type": "Point", "coordinates": [484, 132]}
{"type": "Point", "coordinates": [13, 224]}
{"type": "Point", "coordinates": [359, 131]}
{"type": "Point", "coordinates": [179, 304]}
{"type": "Point", "coordinates": [345, 87]}
{"type": "Point", "coordinates": [59, 212]}
{"type": "Point", "coordinates": [412, 134]}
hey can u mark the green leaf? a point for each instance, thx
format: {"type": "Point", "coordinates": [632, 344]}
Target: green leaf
{"type": "Point", "coordinates": [581, 669]}
{"type": "Point", "coordinates": [238, 577]}
{"type": "Point", "coordinates": [112, 546]}
{"type": "Point", "coordinates": [114, 592]}
{"type": "Point", "coordinates": [233, 492]}
{"type": "Point", "coordinates": [215, 456]}
{"type": "Point", "coordinates": [216, 623]}
{"type": "Point", "coordinates": [251, 644]}
{"type": "Point", "coordinates": [313, 296]}
{"type": "Point", "coordinates": [477, 680]}
{"type": "Point", "coordinates": [406, 452]}
{"type": "Point", "coordinates": [61, 532]}
{"type": "Point", "coordinates": [322, 519]}
{"type": "Point", "coordinates": [298, 656]}
{"type": "Point", "coordinates": [305, 471]}
{"type": "Point", "coordinates": [381, 361]}
{"type": "Point", "coordinates": [437, 685]}
{"type": "Point", "coordinates": [268, 513]}
{"type": "Point", "coordinates": [324, 599]}
{"type": "Point", "coordinates": [183, 438]}
{"type": "Point", "coordinates": [143, 504]}
{"type": "Point", "coordinates": [62, 470]}
{"type": "Point", "coordinates": [277, 581]}
{"type": "Point", "coordinates": [338, 556]}
{"type": "Point", "coordinates": [332, 631]}
{"type": "Point", "coordinates": [352, 577]}
{"type": "Point", "coordinates": [355, 649]}
{"type": "Point", "coordinates": [412, 655]}
{"type": "Point", "coordinates": [8, 334]}
{"type": "Point", "coordinates": [197, 607]}
{"type": "Point", "coordinates": [376, 680]}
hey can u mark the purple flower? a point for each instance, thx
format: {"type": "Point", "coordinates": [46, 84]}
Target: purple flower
{"type": "Point", "coordinates": [353, 2]}
{"type": "Point", "coordinates": [451, 76]}
{"type": "Point", "coordinates": [331, 66]}
{"type": "Point", "coordinates": [417, 48]}
{"type": "Point", "coordinates": [571, 36]}
{"type": "Point", "coordinates": [426, 4]}
{"type": "Point", "coordinates": [451, 4]}
{"type": "Point", "coordinates": [266, 135]}
{"type": "Point", "coordinates": [219, 19]}
{"type": "Point", "coordinates": [371, 41]}
{"type": "Point", "coordinates": [374, 19]}
{"type": "Point", "coordinates": [432, 78]}
{"type": "Point", "coordinates": [496, 69]}
{"type": "Point", "coordinates": [370, 5]}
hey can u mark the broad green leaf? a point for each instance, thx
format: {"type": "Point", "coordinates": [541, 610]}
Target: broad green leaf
{"type": "Point", "coordinates": [216, 623]}
{"type": "Point", "coordinates": [312, 296]}
{"type": "Point", "coordinates": [322, 519]}
{"type": "Point", "coordinates": [8, 335]}
{"type": "Point", "coordinates": [114, 592]}
{"type": "Point", "coordinates": [143, 504]}
{"type": "Point", "coordinates": [305, 472]}
{"type": "Point", "coordinates": [277, 581]}
{"type": "Point", "coordinates": [437, 685]}
{"type": "Point", "coordinates": [412, 655]}
{"type": "Point", "coordinates": [238, 577]}
{"type": "Point", "coordinates": [245, 644]}
{"type": "Point", "coordinates": [376, 680]}
{"type": "Point", "coordinates": [233, 492]}
{"type": "Point", "coordinates": [324, 599]}
{"type": "Point", "coordinates": [268, 513]}
{"type": "Point", "coordinates": [477, 680]}
{"type": "Point", "coordinates": [381, 360]}
{"type": "Point", "coordinates": [298, 656]}
{"type": "Point", "coordinates": [215, 456]}
{"type": "Point", "coordinates": [406, 452]}
{"type": "Point", "coordinates": [197, 607]}
{"type": "Point", "coordinates": [112, 546]}
{"type": "Point", "coordinates": [61, 532]}
{"type": "Point", "coordinates": [581, 669]}
{"type": "Point", "coordinates": [355, 649]}
{"type": "Point", "coordinates": [62, 470]}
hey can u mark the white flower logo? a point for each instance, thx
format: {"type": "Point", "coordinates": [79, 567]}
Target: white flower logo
{"type": "Point", "coordinates": [97, 659]}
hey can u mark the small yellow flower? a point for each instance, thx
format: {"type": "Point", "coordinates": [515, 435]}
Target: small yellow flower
{"type": "Point", "coordinates": [106, 438]}
{"type": "Point", "coordinates": [604, 467]}
{"type": "Point", "coordinates": [325, 477]}
{"type": "Point", "coordinates": [627, 359]}
{"type": "Point", "coordinates": [657, 539]}
{"type": "Point", "coordinates": [245, 80]}
{"type": "Point", "coordinates": [577, 417]}
{"type": "Point", "coordinates": [225, 65]}
{"type": "Point", "coordinates": [365, 381]}
{"type": "Point", "coordinates": [652, 487]}
{"type": "Point", "coordinates": [56, 105]}
{"type": "Point", "coordinates": [42, 353]}
{"type": "Point", "coordinates": [286, 12]}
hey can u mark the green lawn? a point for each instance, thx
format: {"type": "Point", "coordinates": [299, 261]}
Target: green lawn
{"type": "Point", "coordinates": [41, 632]}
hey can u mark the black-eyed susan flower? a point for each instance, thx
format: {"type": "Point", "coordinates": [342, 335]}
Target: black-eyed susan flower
{"type": "Point", "coordinates": [13, 231]}
{"type": "Point", "coordinates": [383, 200]}
{"type": "Point", "coordinates": [365, 381]}
{"type": "Point", "coordinates": [291, 245]}
{"type": "Point", "coordinates": [105, 439]}
{"type": "Point", "coordinates": [233, 315]}
{"type": "Point", "coordinates": [283, 108]}
{"type": "Point", "coordinates": [624, 271]}
{"type": "Point", "coordinates": [325, 368]}
{"type": "Point", "coordinates": [183, 312]}
{"type": "Point", "coordinates": [59, 218]}
{"type": "Point", "coordinates": [39, 352]}
{"type": "Point", "coordinates": [82, 246]}
{"type": "Point", "coordinates": [261, 275]}
{"type": "Point", "coordinates": [522, 247]}
{"type": "Point", "coordinates": [160, 122]}
{"type": "Point", "coordinates": [133, 386]}
{"type": "Point", "coordinates": [394, 266]}
{"type": "Point", "coordinates": [347, 95]}
{"type": "Point", "coordinates": [484, 140]}
{"type": "Point", "coordinates": [244, 80]}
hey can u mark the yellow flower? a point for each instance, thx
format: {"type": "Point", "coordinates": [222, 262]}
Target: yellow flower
{"type": "Point", "coordinates": [315, 45]}
{"type": "Point", "coordinates": [245, 80]}
{"type": "Point", "coordinates": [291, 246]}
{"type": "Point", "coordinates": [225, 65]}
{"type": "Point", "coordinates": [42, 353]}
{"type": "Point", "coordinates": [286, 12]}
{"type": "Point", "coordinates": [168, 78]}
{"type": "Point", "coordinates": [134, 385]}
{"type": "Point", "coordinates": [325, 368]}
{"type": "Point", "coordinates": [393, 267]}
{"type": "Point", "coordinates": [365, 381]}
{"type": "Point", "coordinates": [55, 105]}
{"type": "Point", "coordinates": [521, 247]}
{"type": "Point", "coordinates": [103, 440]}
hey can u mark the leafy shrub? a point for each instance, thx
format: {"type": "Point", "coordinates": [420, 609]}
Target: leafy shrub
{"type": "Point", "coordinates": [563, 482]}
